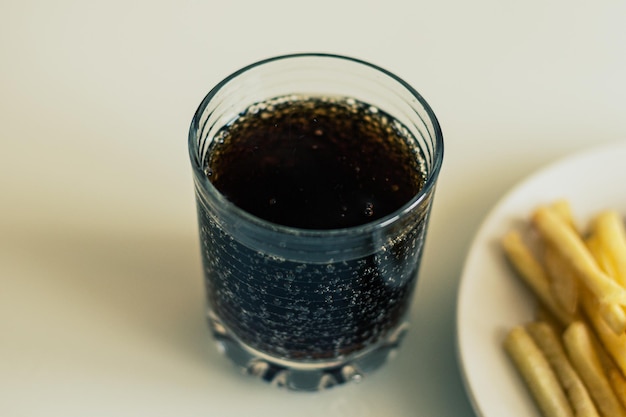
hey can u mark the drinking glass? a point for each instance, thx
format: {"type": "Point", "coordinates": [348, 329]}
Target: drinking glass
{"type": "Point", "coordinates": [309, 309]}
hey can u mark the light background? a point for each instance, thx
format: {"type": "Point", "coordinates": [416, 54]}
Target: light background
{"type": "Point", "coordinates": [101, 304]}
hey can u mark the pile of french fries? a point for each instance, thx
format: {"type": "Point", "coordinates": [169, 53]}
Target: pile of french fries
{"type": "Point", "coordinates": [572, 356]}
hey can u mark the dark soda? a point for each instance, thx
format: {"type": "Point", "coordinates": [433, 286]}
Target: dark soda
{"type": "Point", "coordinates": [313, 163]}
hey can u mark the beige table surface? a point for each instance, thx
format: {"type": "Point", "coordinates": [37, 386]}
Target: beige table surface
{"type": "Point", "coordinates": [101, 296]}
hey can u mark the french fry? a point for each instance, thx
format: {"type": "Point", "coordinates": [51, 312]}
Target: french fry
{"type": "Point", "coordinates": [611, 370]}
{"type": "Point", "coordinates": [613, 314]}
{"type": "Point", "coordinates": [580, 350]}
{"type": "Point", "coordinates": [563, 280]}
{"type": "Point", "coordinates": [533, 274]}
{"type": "Point", "coordinates": [537, 373]}
{"type": "Point", "coordinates": [615, 344]}
{"type": "Point", "coordinates": [548, 341]}
{"type": "Point", "coordinates": [563, 209]}
{"type": "Point", "coordinates": [618, 382]}
{"type": "Point", "coordinates": [600, 255]}
{"type": "Point", "coordinates": [610, 231]}
{"type": "Point", "coordinates": [571, 246]}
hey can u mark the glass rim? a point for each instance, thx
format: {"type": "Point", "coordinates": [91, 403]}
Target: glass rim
{"type": "Point", "coordinates": [202, 180]}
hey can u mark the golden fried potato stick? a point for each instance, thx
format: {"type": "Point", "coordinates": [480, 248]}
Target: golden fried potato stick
{"type": "Point", "coordinates": [615, 344]}
{"type": "Point", "coordinates": [600, 255]}
{"type": "Point", "coordinates": [618, 382]}
{"type": "Point", "coordinates": [563, 209]}
{"type": "Point", "coordinates": [563, 279]}
{"type": "Point", "coordinates": [533, 274]}
{"type": "Point", "coordinates": [537, 373]}
{"type": "Point", "coordinates": [550, 344]}
{"type": "Point", "coordinates": [613, 314]}
{"type": "Point", "coordinates": [615, 376]}
{"type": "Point", "coordinates": [580, 349]}
{"type": "Point", "coordinates": [611, 370]}
{"type": "Point", "coordinates": [571, 246]}
{"type": "Point", "coordinates": [608, 227]}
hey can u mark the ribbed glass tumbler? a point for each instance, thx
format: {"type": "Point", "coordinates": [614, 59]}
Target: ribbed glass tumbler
{"type": "Point", "coordinates": [314, 177]}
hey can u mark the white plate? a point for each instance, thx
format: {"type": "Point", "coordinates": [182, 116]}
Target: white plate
{"type": "Point", "coordinates": [491, 299]}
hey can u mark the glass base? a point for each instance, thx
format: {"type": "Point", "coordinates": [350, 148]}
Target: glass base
{"type": "Point", "coordinates": [304, 376]}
